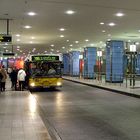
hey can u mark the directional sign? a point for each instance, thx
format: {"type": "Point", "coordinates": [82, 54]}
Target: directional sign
{"type": "Point", "coordinates": [5, 38]}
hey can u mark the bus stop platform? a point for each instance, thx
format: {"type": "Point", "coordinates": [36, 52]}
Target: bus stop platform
{"type": "Point", "coordinates": [116, 87]}
{"type": "Point", "coordinates": [19, 116]}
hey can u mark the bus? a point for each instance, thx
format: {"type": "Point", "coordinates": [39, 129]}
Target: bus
{"type": "Point", "coordinates": [44, 71]}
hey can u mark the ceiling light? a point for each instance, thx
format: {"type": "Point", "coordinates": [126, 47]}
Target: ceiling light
{"type": "Point", "coordinates": [31, 14]}
{"type": "Point", "coordinates": [92, 44]}
{"type": "Point", "coordinates": [109, 34]}
{"type": "Point", "coordinates": [52, 45]}
{"type": "Point", "coordinates": [103, 31]}
{"type": "Point", "coordinates": [137, 43]}
{"type": "Point", "coordinates": [57, 51]}
{"type": "Point", "coordinates": [71, 45]}
{"type": "Point", "coordinates": [119, 14]}
{"type": "Point", "coordinates": [86, 40]}
{"type": "Point", "coordinates": [31, 42]}
{"type": "Point", "coordinates": [111, 24]}
{"type": "Point", "coordinates": [102, 23]}
{"type": "Point", "coordinates": [18, 39]}
{"type": "Point", "coordinates": [63, 47]}
{"type": "Point", "coordinates": [32, 37]}
{"type": "Point", "coordinates": [18, 46]}
{"type": "Point", "coordinates": [27, 27]}
{"type": "Point", "coordinates": [67, 40]}
{"type": "Point", "coordinates": [17, 35]}
{"type": "Point", "coordinates": [61, 35]}
{"type": "Point", "coordinates": [76, 41]}
{"type": "Point", "coordinates": [70, 12]}
{"type": "Point", "coordinates": [108, 39]}
{"type": "Point", "coordinates": [62, 29]}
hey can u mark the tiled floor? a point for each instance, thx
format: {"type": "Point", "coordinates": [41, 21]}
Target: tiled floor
{"type": "Point", "coordinates": [19, 118]}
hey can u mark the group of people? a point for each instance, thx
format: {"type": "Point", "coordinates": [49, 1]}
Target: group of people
{"type": "Point", "coordinates": [18, 78]}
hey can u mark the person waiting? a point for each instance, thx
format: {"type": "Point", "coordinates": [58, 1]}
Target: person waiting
{"type": "Point", "coordinates": [21, 78]}
{"type": "Point", "coordinates": [13, 76]}
{"type": "Point", "coordinates": [51, 71]}
{"type": "Point", "coordinates": [4, 77]}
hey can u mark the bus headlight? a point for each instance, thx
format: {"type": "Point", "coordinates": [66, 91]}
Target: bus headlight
{"type": "Point", "coordinates": [59, 83]}
{"type": "Point", "coordinates": [32, 84]}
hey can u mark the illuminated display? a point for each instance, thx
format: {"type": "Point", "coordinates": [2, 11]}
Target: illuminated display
{"type": "Point", "coordinates": [5, 38]}
{"type": "Point", "coordinates": [45, 58]}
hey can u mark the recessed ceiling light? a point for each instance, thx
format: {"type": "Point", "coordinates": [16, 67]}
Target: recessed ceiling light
{"type": "Point", "coordinates": [32, 37]}
{"type": "Point", "coordinates": [18, 39]}
{"type": "Point", "coordinates": [61, 35]}
{"type": "Point", "coordinates": [111, 24]}
{"type": "Point", "coordinates": [67, 40]}
{"type": "Point", "coordinates": [129, 40]}
{"type": "Point", "coordinates": [108, 39]}
{"type": "Point", "coordinates": [31, 42]}
{"type": "Point", "coordinates": [71, 45]}
{"type": "Point", "coordinates": [103, 31]}
{"type": "Point", "coordinates": [86, 40]}
{"type": "Point", "coordinates": [17, 35]}
{"type": "Point", "coordinates": [120, 14]}
{"type": "Point", "coordinates": [102, 23]}
{"type": "Point", "coordinates": [70, 12]}
{"type": "Point", "coordinates": [92, 44]}
{"type": "Point", "coordinates": [76, 42]}
{"type": "Point", "coordinates": [62, 29]}
{"type": "Point", "coordinates": [52, 45]}
{"type": "Point", "coordinates": [57, 51]}
{"type": "Point", "coordinates": [63, 47]}
{"type": "Point", "coordinates": [27, 27]}
{"type": "Point", "coordinates": [31, 13]}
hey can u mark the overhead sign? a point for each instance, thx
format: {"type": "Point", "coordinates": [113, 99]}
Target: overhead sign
{"type": "Point", "coordinates": [8, 54]}
{"type": "Point", "coordinates": [45, 58]}
{"type": "Point", "coordinates": [5, 38]}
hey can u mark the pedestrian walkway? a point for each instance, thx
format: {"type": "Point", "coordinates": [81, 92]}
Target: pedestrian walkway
{"type": "Point", "coordinates": [19, 116]}
{"type": "Point", "coordinates": [117, 87]}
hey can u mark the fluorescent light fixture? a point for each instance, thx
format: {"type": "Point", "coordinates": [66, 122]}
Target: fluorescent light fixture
{"type": "Point", "coordinates": [62, 29]}
{"type": "Point", "coordinates": [120, 14]}
{"type": "Point", "coordinates": [111, 24]}
{"type": "Point", "coordinates": [70, 12]}
{"type": "Point", "coordinates": [92, 44]}
{"type": "Point", "coordinates": [31, 13]}
{"type": "Point", "coordinates": [27, 26]}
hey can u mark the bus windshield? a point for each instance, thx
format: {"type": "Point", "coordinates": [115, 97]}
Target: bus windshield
{"type": "Point", "coordinates": [47, 69]}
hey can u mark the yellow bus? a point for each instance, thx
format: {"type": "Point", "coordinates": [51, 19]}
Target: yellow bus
{"type": "Point", "coordinates": [44, 71]}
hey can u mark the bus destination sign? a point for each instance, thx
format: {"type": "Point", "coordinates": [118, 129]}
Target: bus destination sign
{"type": "Point", "coordinates": [45, 58]}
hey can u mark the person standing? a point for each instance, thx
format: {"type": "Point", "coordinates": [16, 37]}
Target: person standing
{"type": "Point", "coordinates": [13, 76]}
{"type": "Point", "coordinates": [4, 77]}
{"type": "Point", "coordinates": [21, 79]}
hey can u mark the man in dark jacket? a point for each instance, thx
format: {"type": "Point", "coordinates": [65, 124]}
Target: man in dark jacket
{"type": "Point", "coordinates": [13, 76]}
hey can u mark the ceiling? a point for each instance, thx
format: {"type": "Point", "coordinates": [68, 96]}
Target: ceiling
{"type": "Point", "coordinates": [84, 24]}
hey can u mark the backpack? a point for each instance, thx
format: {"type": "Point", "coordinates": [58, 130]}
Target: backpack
{"type": "Point", "coordinates": [1, 76]}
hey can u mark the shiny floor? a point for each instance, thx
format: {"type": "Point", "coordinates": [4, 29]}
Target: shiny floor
{"type": "Point", "coordinates": [75, 112]}
{"type": "Point", "coordinates": [19, 117]}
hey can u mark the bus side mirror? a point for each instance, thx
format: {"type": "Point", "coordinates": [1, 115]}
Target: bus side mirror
{"type": "Point", "coordinates": [62, 65]}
